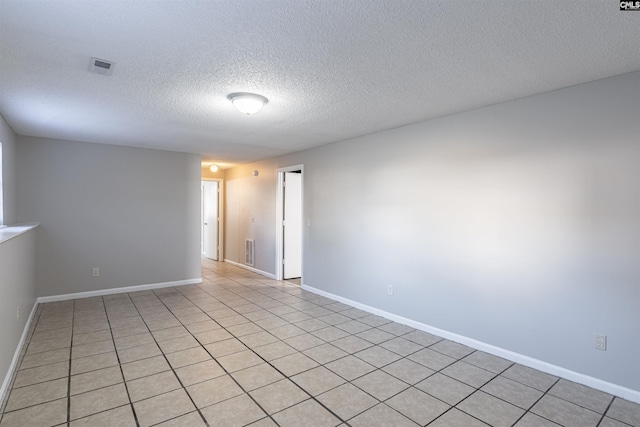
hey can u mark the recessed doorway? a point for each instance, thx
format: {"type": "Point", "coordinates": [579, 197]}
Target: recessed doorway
{"type": "Point", "coordinates": [289, 214]}
{"type": "Point", "coordinates": [211, 219]}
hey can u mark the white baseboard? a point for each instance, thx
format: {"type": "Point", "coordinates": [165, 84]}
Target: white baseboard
{"type": "Point", "coordinates": [16, 356]}
{"type": "Point", "coordinates": [125, 289]}
{"type": "Point", "coordinates": [598, 384]}
{"type": "Point", "coordinates": [255, 270]}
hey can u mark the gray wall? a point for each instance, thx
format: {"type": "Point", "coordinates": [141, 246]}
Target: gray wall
{"type": "Point", "coordinates": [8, 140]}
{"type": "Point", "coordinates": [250, 211]}
{"type": "Point", "coordinates": [17, 290]}
{"type": "Point", "coordinates": [134, 213]}
{"type": "Point", "coordinates": [515, 224]}
{"type": "Point", "coordinates": [17, 261]}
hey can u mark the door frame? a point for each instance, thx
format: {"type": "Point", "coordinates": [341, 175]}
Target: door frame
{"type": "Point", "coordinates": [279, 215]}
{"type": "Point", "coordinates": [220, 182]}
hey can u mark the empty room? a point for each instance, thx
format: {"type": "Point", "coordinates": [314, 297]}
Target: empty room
{"type": "Point", "coordinates": [320, 213]}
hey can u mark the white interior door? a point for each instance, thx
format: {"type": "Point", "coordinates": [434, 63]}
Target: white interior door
{"type": "Point", "coordinates": [292, 225]}
{"type": "Point", "coordinates": [210, 219]}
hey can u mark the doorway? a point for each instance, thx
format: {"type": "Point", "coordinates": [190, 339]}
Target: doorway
{"type": "Point", "coordinates": [211, 224]}
{"type": "Point", "coordinates": [289, 214]}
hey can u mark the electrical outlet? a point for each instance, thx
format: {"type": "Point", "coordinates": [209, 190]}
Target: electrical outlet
{"type": "Point", "coordinates": [601, 342]}
{"type": "Point", "coordinates": [389, 289]}
{"type": "Point", "coordinates": [18, 313]}
{"type": "Point", "coordinates": [96, 272]}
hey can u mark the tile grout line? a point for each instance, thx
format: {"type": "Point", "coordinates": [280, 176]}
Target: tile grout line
{"type": "Point", "coordinates": [477, 389]}
{"type": "Point", "coordinates": [112, 338]}
{"type": "Point", "coordinates": [167, 360]}
{"type": "Point", "coordinates": [544, 393]}
{"type": "Point", "coordinates": [495, 376]}
{"type": "Point", "coordinates": [73, 309]}
{"type": "Point", "coordinates": [380, 368]}
{"type": "Point", "coordinates": [26, 345]}
{"type": "Point", "coordinates": [120, 363]}
{"type": "Point", "coordinates": [390, 363]}
{"type": "Point", "coordinates": [604, 414]}
{"type": "Point", "coordinates": [538, 400]}
{"type": "Point", "coordinates": [350, 354]}
{"type": "Point", "coordinates": [23, 352]}
{"type": "Point", "coordinates": [236, 338]}
{"type": "Point", "coordinates": [94, 370]}
{"type": "Point", "coordinates": [224, 369]}
{"type": "Point", "coordinates": [456, 360]}
{"type": "Point", "coordinates": [323, 365]}
{"type": "Point", "coordinates": [233, 288]}
{"type": "Point", "coordinates": [267, 362]}
{"type": "Point", "coordinates": [115, 350]}
{"type": "Point", "coordinates": [405, 357]}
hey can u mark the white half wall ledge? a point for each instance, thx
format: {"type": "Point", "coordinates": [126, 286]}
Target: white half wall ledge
{"type": "Point", "coordinates": [8, 232]}
{"type": "Point", "coordinates": [255, 270]}
{"type": "Point", "coordinates": [125, 289]}
{"type": "Point", "coordinates": [598, 384]}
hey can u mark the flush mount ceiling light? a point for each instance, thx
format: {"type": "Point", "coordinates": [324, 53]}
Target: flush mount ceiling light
{"type": "Point", "coordinates": [247, 103]}
{"type": "Point", "coordinates": [213, 168]}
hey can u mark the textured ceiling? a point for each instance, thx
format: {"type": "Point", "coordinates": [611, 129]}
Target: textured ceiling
{"type": "Point", "coordinates": [332, 70]}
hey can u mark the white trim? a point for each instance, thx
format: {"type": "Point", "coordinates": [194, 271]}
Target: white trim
{"type": "Point", "coordinates": [598, 384]}
{"type": "Point", "coordinates": [220, 215]}
{"type": "Point", "coordinates": [9, 232]}
{"type": "Point", "coordinates": [279, 206]}
{"type": "Point", "coordinates": [279, 237]}
{"type": "Point", "coordinates": [16, 355]}
{"type": "Point", "coordinates": [255, 270]}
{"type": "Point", "coordinates": [111, 291]}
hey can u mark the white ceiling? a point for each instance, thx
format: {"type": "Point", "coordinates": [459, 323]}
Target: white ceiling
{"type": "Point", "coordinates": [332, 69]}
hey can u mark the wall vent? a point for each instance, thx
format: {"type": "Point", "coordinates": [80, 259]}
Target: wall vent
{"type": "Point", "coordinates": [101, 66]}
{"type": "Point", "coordinates": [249, 251]}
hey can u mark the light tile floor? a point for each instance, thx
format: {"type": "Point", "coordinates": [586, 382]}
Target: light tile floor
{"type": "Point", "coordinates": [240, 349]}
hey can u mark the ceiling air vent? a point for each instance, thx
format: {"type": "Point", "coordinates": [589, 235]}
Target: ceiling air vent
{"type": "Point", "coordinates": [101, 66]}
